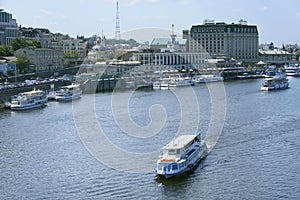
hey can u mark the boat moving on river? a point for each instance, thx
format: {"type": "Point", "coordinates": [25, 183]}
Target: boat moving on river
{"type": "Point", "coordinates": [181, 155]}
{"type": "Point", "coordinates": [275, 83]}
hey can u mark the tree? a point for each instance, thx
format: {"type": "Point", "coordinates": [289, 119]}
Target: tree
{"type": "Point", "coordinates": [18, 43]}
{"type": "Point", "coordinates": [71, 54]}
{"type": "Point", "coordinates": [271, 46]}
{"type": "Point", "coordinates": [5, 51]}
{"type": "Point", "coordinates": [35, 44]}
{"type": "Point", "coordinates": [22, 64]}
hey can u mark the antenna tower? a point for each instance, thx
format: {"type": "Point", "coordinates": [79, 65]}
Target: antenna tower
{"type": "Point", "coordinates": [117, 33]}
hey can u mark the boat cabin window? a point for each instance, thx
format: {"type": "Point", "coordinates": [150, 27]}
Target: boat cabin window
{"type": "Point", "coordinates": [178, 151]}
{"type": "Point", "coordinates": [172, 152]}
{"type": "Point", "coordinates": [160, 167]}
{"type": "Point", "coordinates": [174, 167]}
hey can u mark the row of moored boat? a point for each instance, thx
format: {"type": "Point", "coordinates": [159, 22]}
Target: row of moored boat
{"type": "Point", "coordinates": [38, 98]}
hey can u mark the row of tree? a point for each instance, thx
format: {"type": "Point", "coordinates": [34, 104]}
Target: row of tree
{"type": "Point", "coordinates": [17, 43]}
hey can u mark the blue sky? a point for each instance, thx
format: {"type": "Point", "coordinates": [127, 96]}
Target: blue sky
{"type": "Point", "coordinates": [277, 20]}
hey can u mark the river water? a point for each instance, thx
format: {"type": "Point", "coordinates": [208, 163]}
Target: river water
{"type": "Point", "coordinates": [105, 145]}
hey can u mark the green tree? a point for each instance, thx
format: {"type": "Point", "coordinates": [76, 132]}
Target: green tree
{"type": "Point", "coordinates": [35, 44]}
{"type": "Point", "coordinates": [18, 43]}
{"type": "Point", "coordinates": [71, 54]}
{"type": "Point", "coordinates": [5, 51]}
{"type": "Point", "coordinates": [22, 64]}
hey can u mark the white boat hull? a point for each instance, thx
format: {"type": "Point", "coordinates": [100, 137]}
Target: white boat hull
{"type": "Point", "coordinates": [275, 87]}
{"type": "Point", "coordinates": [67, 98]}
{"type": "Point", "coordinates": [27, 107]}
{"type": "Point", "coordinates": [196, 161]}
{"type": "Point", "coordinates": [68, 93]}
{"type": "Point", "coordinates": [28, 100]}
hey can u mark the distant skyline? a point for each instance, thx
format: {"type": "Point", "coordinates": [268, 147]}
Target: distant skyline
{"type": "Point", "coordinates": [277, 21]}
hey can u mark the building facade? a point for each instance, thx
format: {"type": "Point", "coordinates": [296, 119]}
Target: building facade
{"type": "Point", "coordinates": [238, 41]}
{"type": "Point", "coordinates": [37, 34]}
{"type": "Point", "coordinates": [157, 61]}
{"type": "Point", "coordinates": [7, 67]}
{"type": "Point", "coordinates": [169, 44]}
{"type": "Point", "coordinates": [276, 57]}
{"type": "Point", "coordinates": [42, 59]}
{"type": "Point", "coordinates": [8, 28]}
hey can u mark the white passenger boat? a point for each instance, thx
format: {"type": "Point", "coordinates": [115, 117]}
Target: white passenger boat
{"type": "Point", "coordinates": [292, 71]}
{"type": "Point", "coordinates": [275, 83]}
{"type": "Point", "coordinates": [172, 83]}
{"type": "Point", "coordinates": [51, 95]}
{"type": "Point", "coordinates": [164, 85]}
{"type": "Point", "coordinates": [206, 78]}
{"type": "Point", "coordinates": [28, 100]}
{"type": "Point", "coordinates": [156, 85]}
{"type": "Point", "coordinates": [184, 82]}
{"type": "Point", "coordinates": [68, 93]}
{"type": "Point", "coordinates": [181, 155]}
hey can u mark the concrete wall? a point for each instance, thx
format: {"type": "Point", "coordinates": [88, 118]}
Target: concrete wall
{"type": "Point", "coordinates": [5, 95]}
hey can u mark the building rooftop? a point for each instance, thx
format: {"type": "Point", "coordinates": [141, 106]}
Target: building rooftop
{"type": "Point", "coordinates": [273, 52]}
{"type": "Point", "coordinates": [166, 41]}
{"type": "Point", "coordinates": [180, 142]}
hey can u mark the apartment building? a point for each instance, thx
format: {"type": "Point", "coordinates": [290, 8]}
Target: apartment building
{"type": "Point", "coordinates": [41, 35]}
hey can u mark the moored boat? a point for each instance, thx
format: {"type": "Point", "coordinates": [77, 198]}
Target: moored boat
{"type": "Point", "coordinates": [292, 71]}
{"type": "Point", "coordinates": [206, 78]}
{"type": "Point", "coordinates": [184, 82]}
{"type": "Point", "coordinates": [28, 100]}
{"type": "Point", "coordinates": [164, 85]}
{"type": "Point", "coordinates": [156, 85]}
{"type": "Point", "coordinates": [51, 95]}
{"type": "Point", "coordinates": [181, 155]}
{"type": "Point", "coordinates": [68, 93]}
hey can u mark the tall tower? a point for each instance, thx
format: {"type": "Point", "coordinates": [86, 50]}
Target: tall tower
{"type": "Point", "coordinates": [117, 33]}
{"type": "Point", "coordinates": [173, 36]}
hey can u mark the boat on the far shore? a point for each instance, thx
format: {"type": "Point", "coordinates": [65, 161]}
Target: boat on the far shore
{"type": "Point", "coordinates": [275, 83]}
{"type": "Point", "coordinates": [207, 78]}
{"type": "Point", "coordinates": [293, 70]}
{"type": "Point", "coordinates": [28, 100]}
{"type": "Point", "coordinates": [68, 93]}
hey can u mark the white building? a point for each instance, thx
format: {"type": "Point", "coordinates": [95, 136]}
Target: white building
{"type": "Point", "coordinates": [158, 61]}
{"type": "Point", "coordinates": [74, 46]}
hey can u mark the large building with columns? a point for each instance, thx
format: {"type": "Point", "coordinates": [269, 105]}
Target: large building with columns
{"type": "Point", "coordinates": [157, 61]}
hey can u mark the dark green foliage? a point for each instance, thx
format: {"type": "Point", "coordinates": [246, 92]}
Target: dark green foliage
{"type": "Point", "coordinates": [35, 43]}
{"type": "Point", "coordinates": [71, 54]}
{"type": "Point", "coordinates": [18, 43]}
{"type": "Point", "coordinates": [5, 51]}
{"type": "Point", "coordinates": [22, 64]}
